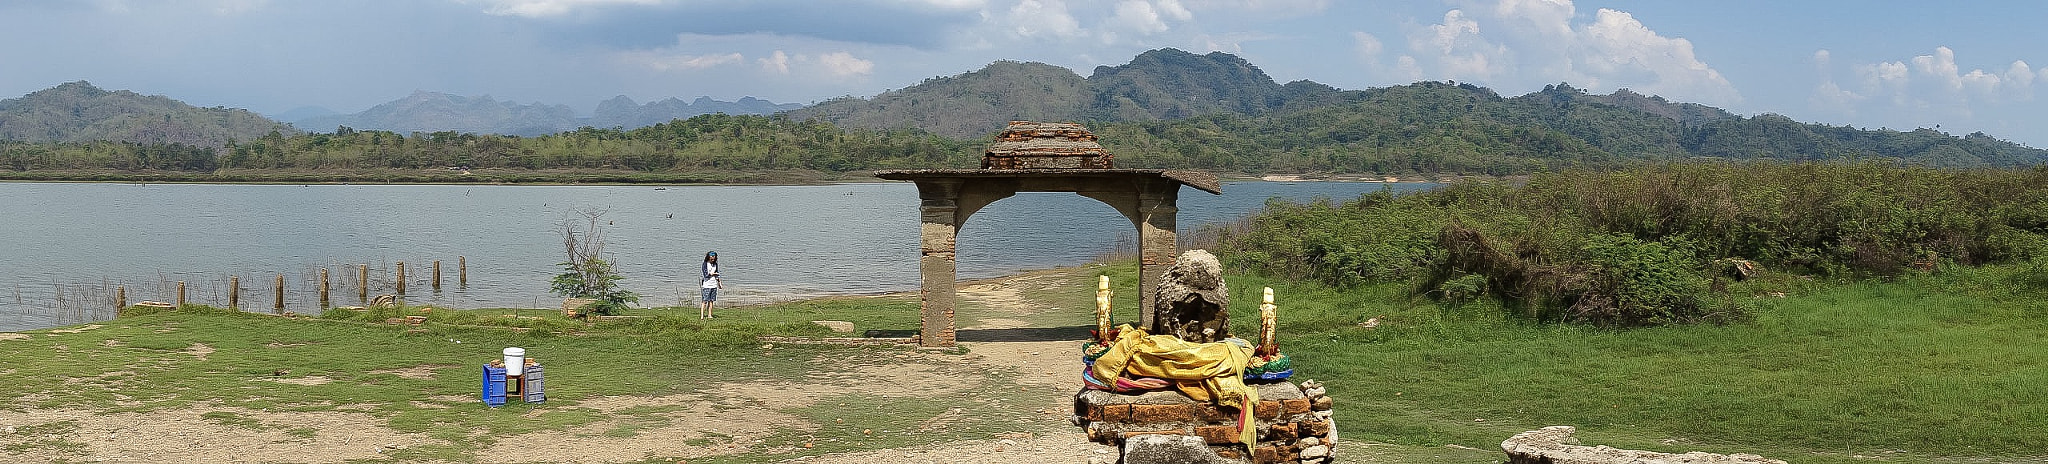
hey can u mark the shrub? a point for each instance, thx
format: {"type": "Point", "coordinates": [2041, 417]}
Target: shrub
{"type": "Point", "coordinates": [1629, 247]}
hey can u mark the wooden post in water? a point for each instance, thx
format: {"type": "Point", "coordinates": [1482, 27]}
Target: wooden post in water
{"type": "Point", "coordinates": [181, 294]}
{"type": "Point", "coordinates": [234, 292]}
{"type": "Point", "coordinates": [462, 271]}
{"type": "Point", "coordinates": [120, 297]}
{"type": "Point", "coordinates": [279, 307]}
{"type": "Point", "coordinates": [363, 283]}
{"type": "Point", "coordinates": [437, 275]}
{"type": "Point", "coordinates": [401, 277]}
{"type": "Point", "coordinates": [323, 288]}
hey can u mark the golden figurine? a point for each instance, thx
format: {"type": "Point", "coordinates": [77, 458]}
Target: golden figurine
{"type": "Point", "coordinates": [1268, 322]}
{"type": "Point", "coordinates": [1102, 294]}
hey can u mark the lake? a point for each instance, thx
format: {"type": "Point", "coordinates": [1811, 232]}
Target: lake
{"type": "Point", "coordinates": [67, 245]}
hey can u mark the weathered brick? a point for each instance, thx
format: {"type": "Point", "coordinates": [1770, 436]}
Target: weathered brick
{"type": "Point", "coordinates": [1088, 412]}
{"type": "Point", "coordinates": [1229, 452]}
{"type": "Point", "coordinates": [1218, 434]}
{"type": "Point", "coordinates": [1295, 406]}
{"type": "Point", "coordinates": [1214, 413]}
{"type": "Point", "coordinates": [1314, 428]}
{"type": "Point", "coordinates": [1269, 454]}
{"type": "Point", "coordinates": [1322, 403]}
{"type": "Point", "coordinates": [1150, 413]}
{"type": "Point", "coordinates": [1281, 433]}
{"type": "Point", "coordinates": [1116, 413]}
{"type": "Point", "coordinates": [1128, 435]}
{"type": "Point", "coordinates": [1268, 410]}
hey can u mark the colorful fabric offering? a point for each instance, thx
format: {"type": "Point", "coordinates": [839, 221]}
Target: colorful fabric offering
{"type": "Point", "coordinates": [1204, 371]}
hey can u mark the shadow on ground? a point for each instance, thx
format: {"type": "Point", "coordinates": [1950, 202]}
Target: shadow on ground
{"type": "Point", "coordinates": [1025, 334]}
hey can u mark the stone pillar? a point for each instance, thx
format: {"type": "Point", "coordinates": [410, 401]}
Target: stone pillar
{"type": "Point", "coordinates": [1158, 244]}
{"type": "Point", "coordinates": [939, 226]}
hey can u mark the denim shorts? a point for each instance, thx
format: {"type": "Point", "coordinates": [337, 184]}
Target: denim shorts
{"type": "Point", "coordinates": [710, 294]}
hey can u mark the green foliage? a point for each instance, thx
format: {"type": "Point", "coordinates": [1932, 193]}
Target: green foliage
{"type": "Point", "coordinates": [586, 274]}
{"type": "Point", "coordinates": [595, 279]}
{"type": "Point", "coordinates": [1633, 246]}
{"type": "Point", "coordinates": [1639, 282]}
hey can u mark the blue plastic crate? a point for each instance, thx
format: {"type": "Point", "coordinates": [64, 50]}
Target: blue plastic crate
{"type": "Point", "coordinates": [530, 385]}
{"type": "Point", "coordinates": [494, 386]}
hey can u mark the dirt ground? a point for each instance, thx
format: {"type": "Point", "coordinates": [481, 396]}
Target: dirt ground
{"type": "Point", "coordinates": [697, 424]}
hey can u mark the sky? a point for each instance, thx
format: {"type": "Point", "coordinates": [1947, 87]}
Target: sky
{"type": "Point", "coordinates": [1959, 67]}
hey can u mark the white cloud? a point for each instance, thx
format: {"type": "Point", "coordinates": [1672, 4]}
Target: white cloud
{"type": "Point", "coordinates": [844, 64]}
{"type": "Point", "coordinates": [1266, 7]}
{"type": "Point", "coordinates": [1408, 68]}
{"type": "Point", "coordinates": [1140, 16]}
{"type": "Point", "coordinates": [1833, 97]}
{"type": "Point", "coordinates": [950, 4]}
{"type": "Point", "coordinates": [1043, 19]}
{"type": "Point", "coordinates": [1930, 89]}
{"type": "Point", "coordinates": [661, 61]}
{"type": "Point", "coordinates": [777, 62]}
{"type": "Point", "coordinates": [1511, 44]}
{"type": "Point", "coordinates": [1445, 37]}
{"type": "Point", "coordinates": [547, 8]}
{"type": "Point", "coordinates": [1941, 65]}
{"type": "Point", "coordinates": [1368, 47]}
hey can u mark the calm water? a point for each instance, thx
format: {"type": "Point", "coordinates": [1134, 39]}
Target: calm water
{"type": "Point", "coordinates": [64, 247]}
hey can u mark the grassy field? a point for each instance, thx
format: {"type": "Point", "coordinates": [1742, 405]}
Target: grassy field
{"type": "Point", "coordinates": [1936, 367]}
{"type": "Point", "coordinates": [200, 357]}
{"type": "Point", "coordinates": [1930, 368]}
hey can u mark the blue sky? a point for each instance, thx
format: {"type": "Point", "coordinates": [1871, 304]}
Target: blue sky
{"type": "Point", "coordinates": [1964, 66]}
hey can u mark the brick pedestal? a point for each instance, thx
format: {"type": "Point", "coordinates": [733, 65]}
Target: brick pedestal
{"type": "Point", "coordinates": [1293, 422]}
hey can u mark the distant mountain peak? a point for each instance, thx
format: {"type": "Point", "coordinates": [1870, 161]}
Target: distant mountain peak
{"type": "Point", "coordinates": [78, 111]}
{"type": "Point", "coordinates": [430, 111]}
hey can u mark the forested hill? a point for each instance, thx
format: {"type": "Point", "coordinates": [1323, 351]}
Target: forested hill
{"type": "Point", "coordinates": [1441, 127]}
{"type": "Point", "coordinates": [1161, 84]}
{"type": "Point", "coordinates": [80, 112]}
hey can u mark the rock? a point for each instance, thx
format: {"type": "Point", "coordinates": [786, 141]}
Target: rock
{"type": "Point", "coordinates": [836, 326]}
{"type": "Point", "coordinates": [1169, 449]}
{"type": "Point", "coordinates": [1192, 299]}
{"type": "Point", "coordinates": [1555, 445]}
{"type": "Point", "coordinates": [1315, 452]}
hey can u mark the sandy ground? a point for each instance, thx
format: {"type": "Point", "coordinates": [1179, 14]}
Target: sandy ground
{"type": "Point", "coordinates": [718, 421]}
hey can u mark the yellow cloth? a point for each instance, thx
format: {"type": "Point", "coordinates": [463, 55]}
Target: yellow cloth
{"type": "Point", "coordinates": [1203, 371]}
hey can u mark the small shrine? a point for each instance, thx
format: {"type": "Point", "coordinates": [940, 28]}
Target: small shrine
{"type": "Point", "coordinates": [1191, 392]}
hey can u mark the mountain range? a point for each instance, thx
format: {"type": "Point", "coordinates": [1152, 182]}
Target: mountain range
{"type": "Point", "coordinates": [1161, 84]}
{"type": "Point", "coordinates": [1165, 108]}
{"type": "Point", "coordinates": [435, 112]}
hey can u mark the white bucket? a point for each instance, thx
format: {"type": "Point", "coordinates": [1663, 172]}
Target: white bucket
{"type": "Point", "coordinates": [515, 360]}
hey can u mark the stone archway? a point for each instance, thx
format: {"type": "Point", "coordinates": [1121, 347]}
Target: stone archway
{"type": "Point", "coordinates": [947, 197]}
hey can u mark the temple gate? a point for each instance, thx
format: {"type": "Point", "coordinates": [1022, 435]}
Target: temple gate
{"type": "Point", "coordinates": [1042, 157]}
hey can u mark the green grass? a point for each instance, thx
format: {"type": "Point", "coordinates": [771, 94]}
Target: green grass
{"type": "Point", "coordinates": [1940, 367]}
{"type": "Point", "coordinates": [163, 360]}
{"type": "Point", "coordinates": [1922, 369]}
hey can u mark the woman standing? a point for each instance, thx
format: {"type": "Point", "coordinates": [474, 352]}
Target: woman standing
{"type": "Point", "coordinates": [710, 286]}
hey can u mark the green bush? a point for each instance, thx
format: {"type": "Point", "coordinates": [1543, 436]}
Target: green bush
{"type": "Point", "coordinates": [1630, 247]}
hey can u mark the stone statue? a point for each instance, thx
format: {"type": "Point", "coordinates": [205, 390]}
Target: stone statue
{"type": "Point", "coordinates": [1193, 303]}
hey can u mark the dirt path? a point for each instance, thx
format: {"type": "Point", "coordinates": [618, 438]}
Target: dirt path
{"type": "Point", "coordinates": [1005, 349]}
{"type": "Point", "coordinates": [1040, 357]}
